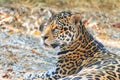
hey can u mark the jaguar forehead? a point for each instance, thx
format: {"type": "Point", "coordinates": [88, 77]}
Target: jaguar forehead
{"type": "Point", "coordinates": [61, 15]}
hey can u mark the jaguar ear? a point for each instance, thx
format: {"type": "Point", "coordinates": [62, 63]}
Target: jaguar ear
{"type": "Point", "coordinates": [75, 18]}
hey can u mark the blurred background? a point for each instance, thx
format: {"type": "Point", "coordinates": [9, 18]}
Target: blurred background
{"type": "Point", "coordinates": [106, 4]}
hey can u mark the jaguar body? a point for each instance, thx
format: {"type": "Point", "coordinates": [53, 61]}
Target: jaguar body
{"type": "Point", "coordinates": [81, 57]}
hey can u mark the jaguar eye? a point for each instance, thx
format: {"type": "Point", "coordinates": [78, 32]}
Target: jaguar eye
{"type": "Point", "coordinates": [55, 30]}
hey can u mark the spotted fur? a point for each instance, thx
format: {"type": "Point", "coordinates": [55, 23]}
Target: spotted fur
{"type": "Point", "coordinates": [81, 57]}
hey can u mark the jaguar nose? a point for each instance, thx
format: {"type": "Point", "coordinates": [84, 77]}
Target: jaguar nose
{"type": "Point", "coordinates": [44, 37]}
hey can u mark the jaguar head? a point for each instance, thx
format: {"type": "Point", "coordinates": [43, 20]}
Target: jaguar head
{"type": "Point", "coordinates": [61, 30]}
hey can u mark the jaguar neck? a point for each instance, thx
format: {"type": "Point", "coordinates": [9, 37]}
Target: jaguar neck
{"type": "Point", "coordinates": [84, 43]}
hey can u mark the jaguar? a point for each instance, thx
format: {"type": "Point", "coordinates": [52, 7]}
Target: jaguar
{"type": "Point", "coordinates": [80, 55]}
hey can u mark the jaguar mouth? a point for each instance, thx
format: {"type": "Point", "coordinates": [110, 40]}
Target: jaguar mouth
{"type": "Point", "coordinates": [54, 45]}
{"type": "Point", "coordinates": [46, 45]}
